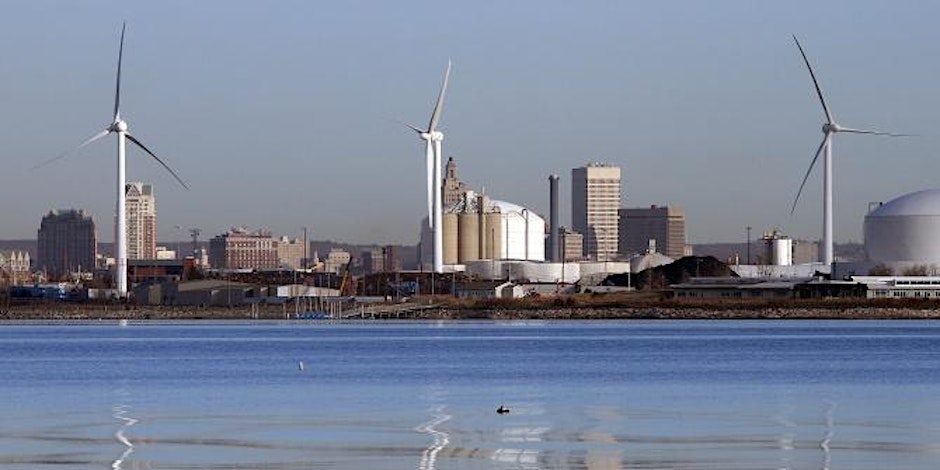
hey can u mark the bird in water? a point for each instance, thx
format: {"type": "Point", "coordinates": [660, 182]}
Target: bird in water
{"type": "Point", "coordinates": [503, 409]}
{"type": "Point", "coordinates": [300, 365]}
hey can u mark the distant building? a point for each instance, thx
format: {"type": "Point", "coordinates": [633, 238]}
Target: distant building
{"type": "Point", "coordinates": [290, 252]}
{"type": "Point", "coordinates": [14, 265]}
{"type": "Point", "coordinates": [336, 260]}
{"type": "Point", "coordinates": [572, 245]}
{"type": "Point", "coordinates": [595, 200]}
{"type": "Point", "coordinates": [665, 225]}
{"type": "Point", "coordinates": [164, 253]}
{"type": "Point", "coordinates": [67, 243]}
{"type": "Point", "coordinates": [141, 210]}
{"type": "Point", "coordinates": [240, 249]}
{"type": "Point", "coordinates": [381, 260]}
{"type": "Point", "coordinates": [453, 187]}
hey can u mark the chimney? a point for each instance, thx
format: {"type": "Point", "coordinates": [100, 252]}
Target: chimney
{"type": "Point", "coordinates": [553, 245]}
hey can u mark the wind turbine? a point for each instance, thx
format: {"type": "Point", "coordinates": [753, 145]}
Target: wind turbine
{"type": "Point", "coordinates": [432, 151]}
{"type": "Point", "coordinates": [829, 129]}
{"type": "Point", "coordinates": [119, 126]}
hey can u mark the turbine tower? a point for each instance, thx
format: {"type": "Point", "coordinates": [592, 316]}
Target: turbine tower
{"type": "Point", "coordinates": [432, 151]}
{"type": "Point", "coordinates": [119, 127]}
{"type": "Point", "coordinates": [829, 129]}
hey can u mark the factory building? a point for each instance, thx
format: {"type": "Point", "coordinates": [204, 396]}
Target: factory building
{"type": "Point", "coordinates": [480, 228]}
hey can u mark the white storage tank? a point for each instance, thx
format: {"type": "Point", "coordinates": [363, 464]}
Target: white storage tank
{"type": "Point", "coordinates": [778, 249]}
{"type": "Point", "coordinates": [905, 229]}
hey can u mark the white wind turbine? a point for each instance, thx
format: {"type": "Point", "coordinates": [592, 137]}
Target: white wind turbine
{"type": "Point", "coordinates": [829, 128]}
{"type": "Point", "coordinates": [433, 138]}
{"type": "Point", "coordinates": [119, 127]}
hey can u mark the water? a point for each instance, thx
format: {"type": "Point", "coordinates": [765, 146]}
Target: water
{"type": "Point", "coordinates": [583, 395]}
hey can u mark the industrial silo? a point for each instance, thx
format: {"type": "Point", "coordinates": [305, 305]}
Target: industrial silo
{"type": "Point", "coordinates": [450, 227]}
{"type": "Point", "coordinates": [494, 234]}
{"type": "Point", "coordinates": [468, 242]}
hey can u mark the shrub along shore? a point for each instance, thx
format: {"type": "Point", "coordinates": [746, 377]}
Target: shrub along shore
{"type": "Point", "coordinates": [578, 307]}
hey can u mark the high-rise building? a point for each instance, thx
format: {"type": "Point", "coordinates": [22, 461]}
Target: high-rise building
{"type": "Point", "coordinates": [240, 249]}
{"type": "Point", "coordinates": [141, 209]}
{"type": "Point", "coordinates": [453, 187]}
{"type": "Point", "coordinates": [67, 243]}
{"type": "Point", "coordinates": [595, 199]}
{"type": "Point", "coordinates": [665, 225]}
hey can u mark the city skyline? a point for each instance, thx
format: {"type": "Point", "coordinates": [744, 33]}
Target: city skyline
{"type": "Point", "coordinates": [705, 107]}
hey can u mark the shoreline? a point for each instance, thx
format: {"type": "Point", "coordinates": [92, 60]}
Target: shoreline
{"type": "Point", "coordinates": [69, 312]}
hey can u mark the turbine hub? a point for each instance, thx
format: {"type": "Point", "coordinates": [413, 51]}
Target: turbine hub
{"type": "Point", "coordinates": [830, 128]}
{"type": "Point", "coordinates": [425, 136]}
{"type": "Point", "coordinates": [119, 126]}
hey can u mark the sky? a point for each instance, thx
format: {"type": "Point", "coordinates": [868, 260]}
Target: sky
{"type": "Point", "coordinates": [283, 115]}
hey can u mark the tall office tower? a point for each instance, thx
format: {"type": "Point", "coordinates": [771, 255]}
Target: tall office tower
{"type": "Point", "coordinates": [664, 224]}
{"type": "Point", "coordinates": [67, 243]}
{"type": "Point", "coordinates": [453, 187]}
{"type": "Point", "coordinates": [595, 199]}
{"type": "Point", "coordinates": [141, 209]}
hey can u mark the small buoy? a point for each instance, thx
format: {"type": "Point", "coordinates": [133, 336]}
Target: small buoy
{"type": "Point", "coordinates": [502, 409]}
{"type": "Point", "coordinates": [300, 365]}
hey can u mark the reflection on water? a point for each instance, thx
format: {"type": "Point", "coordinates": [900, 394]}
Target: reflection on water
{"type": "Point", "coordinates": [583, 396]}
{"type": "Point", "coordinates": [120, 412]}
{"type": "Point", "coordinates": [440, 438]}
{"type": "Point", "coordinates": [830, 432]}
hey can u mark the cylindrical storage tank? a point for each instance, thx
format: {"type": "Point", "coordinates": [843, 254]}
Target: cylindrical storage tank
{"type": "Point", "coordinates": [781, 251]}
{"type": "Point", "coordinates": [468, 242]}
{"type": "Point", "coordinates": [494, 233]}
{"type": "Point", "coordinates": [450, 228]}
{"type": "Point", "coordinates": [905, 229]}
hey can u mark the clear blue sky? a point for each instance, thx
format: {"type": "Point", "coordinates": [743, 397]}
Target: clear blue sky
{"type": "Point", "coordinates": [282, 114]}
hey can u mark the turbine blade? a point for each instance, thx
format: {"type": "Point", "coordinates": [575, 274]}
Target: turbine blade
{"type": "Point", "coordinates": [419, 131]}
{"type": "Point", "coordinates": [117, 87]}
{"type": "Point", "coordinates": [429, 161]}
{"type": "Point", "coordinates": [69, 152]}
{"type": "Point", "coordinates": [439, 107]}
{"type": "Point", "coordinates": [864, 131]}
{"type": "Point", "coordinates": [145, 149]}
{"type": "Point", "coordinates": [815, 82]}
{"type": "Point", "coordinates": [808, 171]}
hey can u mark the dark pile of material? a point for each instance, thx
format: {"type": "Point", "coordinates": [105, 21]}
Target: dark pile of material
{"type": "Point", "coordinates": [677, 272]}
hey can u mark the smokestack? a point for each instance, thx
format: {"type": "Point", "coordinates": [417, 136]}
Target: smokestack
{"type": "Point", "coordinates": [553, 248]}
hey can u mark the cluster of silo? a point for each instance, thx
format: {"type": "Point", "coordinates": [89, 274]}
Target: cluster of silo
{"type": "Point", "coordinates": [472, 230]}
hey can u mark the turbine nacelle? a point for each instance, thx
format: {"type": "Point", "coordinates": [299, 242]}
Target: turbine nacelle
{"type": "Point", "coordinates": [831, 128]}
{"type": "Point", "coordinates": [118, 126]}
{"type": "Point", "coordinates": [433, 136]}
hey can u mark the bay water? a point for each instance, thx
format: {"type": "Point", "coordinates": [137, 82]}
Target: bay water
{"type": "Point", "coordinates": [423, 395]}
